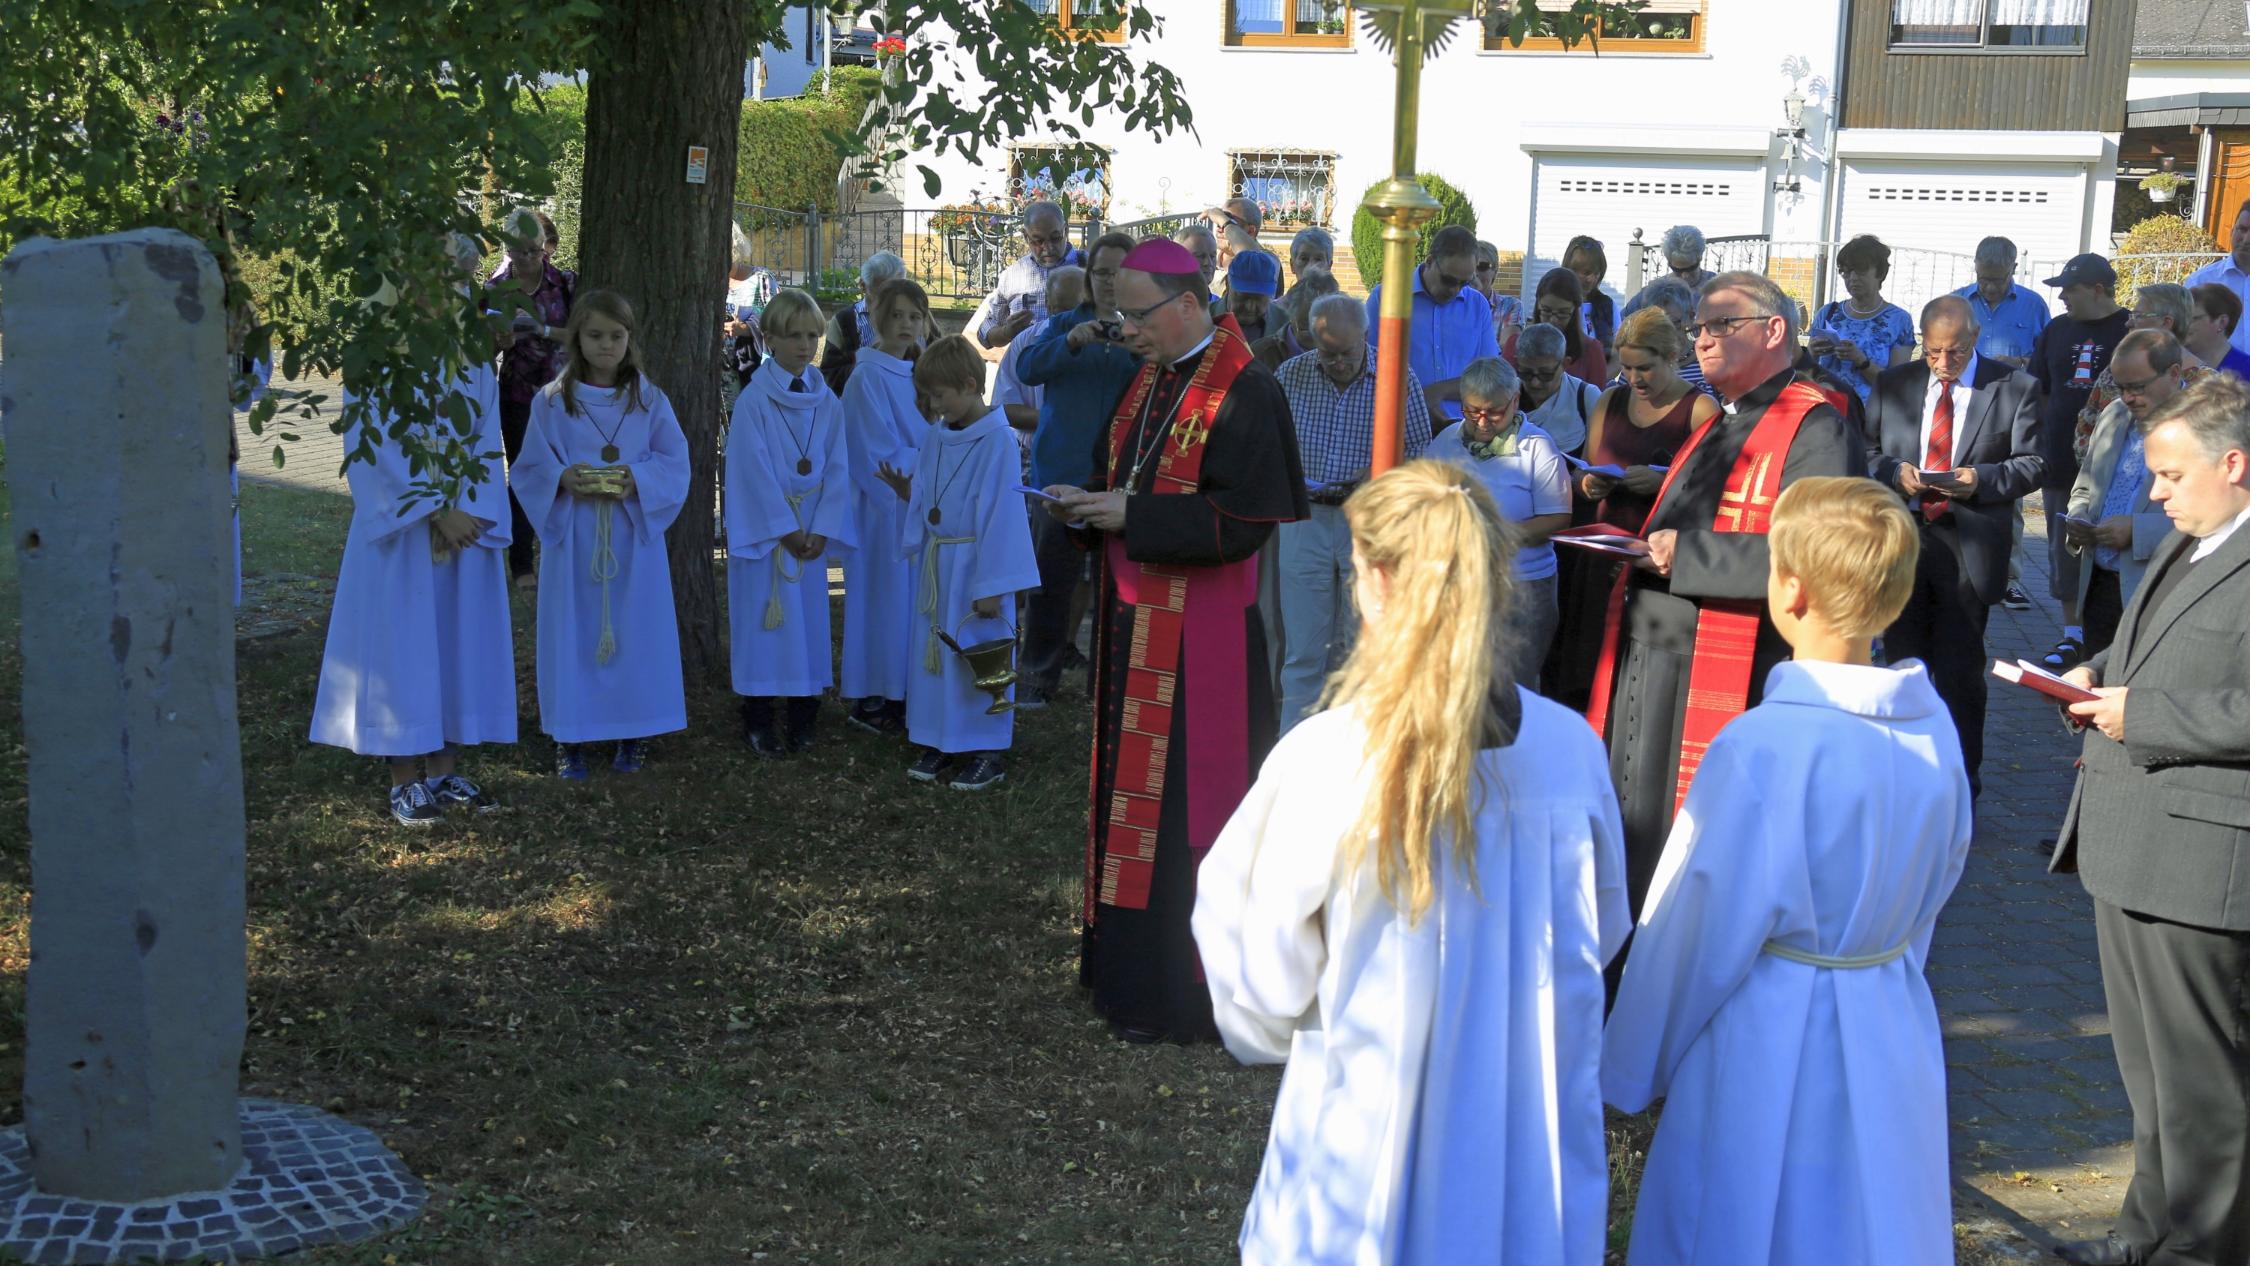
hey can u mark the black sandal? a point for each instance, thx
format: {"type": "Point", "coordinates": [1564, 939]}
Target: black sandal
{"type": "Point", "coordinates": [2069, 653]}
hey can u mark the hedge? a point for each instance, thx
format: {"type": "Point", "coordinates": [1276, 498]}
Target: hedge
{"type": "Point", "coordinates": [1454, 207]}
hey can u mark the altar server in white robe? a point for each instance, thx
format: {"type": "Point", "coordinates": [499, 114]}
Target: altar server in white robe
{"type": "Point", "coordinates": [1774, 995]}
{"type": "Point", "coordinates": [420, 658]}
{"type": "Point", "coordinates": [603, 472]}
{"type": "Point", "coordinates": [884, 425]}
{"type": "Point", "coordinates": [1412, 908]}
{"type": "Point", "coordinates": [788, 501]}
{"type": "Point", "coordinates": [967, 534]}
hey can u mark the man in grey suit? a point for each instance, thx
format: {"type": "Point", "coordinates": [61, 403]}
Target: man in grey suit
{"type": "Point", "coordinates": [2159, 832]}
{"type": "Point", "coordinates": [1957, 435]}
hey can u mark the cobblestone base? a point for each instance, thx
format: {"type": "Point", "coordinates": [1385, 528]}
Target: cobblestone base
{"type": "Point", "coordinates": [307, 1178]}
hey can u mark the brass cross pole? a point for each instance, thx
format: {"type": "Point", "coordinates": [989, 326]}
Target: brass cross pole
{"type": "Point", "coordinates": [1410, 28]}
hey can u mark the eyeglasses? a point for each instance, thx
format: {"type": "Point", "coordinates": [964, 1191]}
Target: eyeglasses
{"type": "Point", "coordinates": [1483, 416]}
{"type": "Point", "coordinates": [1720, 327]}
{"type": "Point", "coordinates": [2140, 388]}
{"type": "Point", "coordinates": [1485, 268]}
{"type": "Point", "coordinates": [1530, 374]}
{"type": "Point", "coordinates": [1137, 318]}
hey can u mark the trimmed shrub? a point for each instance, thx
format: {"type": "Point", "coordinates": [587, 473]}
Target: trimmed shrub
{"type": "Point", "coordinates": [1454, 207]}
{"type": "Point", "coordinates": [787, 160]}
{"type": "Point", "coordinates": [2159, 235]}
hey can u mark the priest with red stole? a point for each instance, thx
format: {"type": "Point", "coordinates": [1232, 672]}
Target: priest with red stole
{"type": "Point", "coordinates": [1198, 464]}
{"type": "Point", "coordinates": [1687, 644]}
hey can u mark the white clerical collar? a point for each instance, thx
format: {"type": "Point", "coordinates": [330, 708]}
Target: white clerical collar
{"type": "Point", "coordinates": [2209, 545]}
{"type": "Point", "coordinates": [1197, 350]}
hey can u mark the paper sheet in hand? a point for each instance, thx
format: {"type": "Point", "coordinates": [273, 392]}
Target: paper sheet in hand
{"type": "Point", "coordinates": [1606, 471]}
{"type": "Point", "coordinates": [1037, 495]}
{"type": "Point", "coordinates": [2025, 673]}
{"type": "Point", "coordinates": [1606, 543]}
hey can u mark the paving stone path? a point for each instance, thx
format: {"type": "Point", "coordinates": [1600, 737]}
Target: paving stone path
{"type": "Point", "coordinates": [314, 458]}
{"type": "Point", "coordinates": [2042, 1135]}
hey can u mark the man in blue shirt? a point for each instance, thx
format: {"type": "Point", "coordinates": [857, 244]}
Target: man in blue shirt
{"type": "Point", "coordinates": [1079, 359]}
{"type": "Point", "coordinates": [1452, 321]}
{"type": "Point", "coordinates": [2009, 318]}
{"type": "Point", "coordinates": [2232, 271]}
{"type": "Point", "coordinates": [2009, 315]}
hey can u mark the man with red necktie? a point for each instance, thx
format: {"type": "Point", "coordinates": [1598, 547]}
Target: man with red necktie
{"type": "Point", "coordinates": [1957, 435]}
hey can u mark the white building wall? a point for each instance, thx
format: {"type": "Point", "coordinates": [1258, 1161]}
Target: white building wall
{"type": "Point", "coordinates": [1486, 117]}
{"type": "Point", "coordinates": [2150, 79]}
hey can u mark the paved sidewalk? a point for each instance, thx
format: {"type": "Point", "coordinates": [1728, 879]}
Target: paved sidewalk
{"type": "Point", "coordinates": [315, 459]}
{"type": "Point", "coordinates": [2041, 1127]}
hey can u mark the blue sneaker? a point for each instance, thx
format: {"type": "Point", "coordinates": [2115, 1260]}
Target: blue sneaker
{"type": "Point", "coordinates": [570, 762]}
{"type": "Point", "coordinates": [412, 804]}
{"type": "Point", "coordinates": [631, 755]}
{"type": "Point", "coordinates": [457, 792]}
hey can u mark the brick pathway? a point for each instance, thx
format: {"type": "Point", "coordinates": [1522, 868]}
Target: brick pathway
{"type": "Point", "coordinates": [2042, 1136]}
{"type": "Point", "coordinates": [314, 459]}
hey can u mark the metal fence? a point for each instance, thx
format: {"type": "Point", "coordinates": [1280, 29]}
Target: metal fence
{"type": "Point", "coordinates": [1805, 271]}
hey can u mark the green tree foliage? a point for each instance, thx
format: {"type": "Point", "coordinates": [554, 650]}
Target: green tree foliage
{"type": "Point", "coordinates": [335, 142]}
{"type": "Point", "coordinates": [1454, 207]}
{"type": "Point", "coordinates": [789, 154]}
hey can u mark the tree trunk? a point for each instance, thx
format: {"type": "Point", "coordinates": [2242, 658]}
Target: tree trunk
{"type": "Point", "coordinates": [668, 75]}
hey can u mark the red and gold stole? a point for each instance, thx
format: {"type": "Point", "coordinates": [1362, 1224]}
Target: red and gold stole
{"type": "Point", "coordinates": [1190, 614]}
{"type": "Point", "coordinates": [1726, 629]}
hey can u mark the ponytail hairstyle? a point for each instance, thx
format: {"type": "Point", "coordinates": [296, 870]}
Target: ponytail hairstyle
{"type": "Point", "coordinates": [1427, 669]}
{"type": "Point", "coordinates": [606, 303]}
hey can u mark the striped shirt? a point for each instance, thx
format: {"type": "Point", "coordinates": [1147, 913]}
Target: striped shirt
{"type": "Point", "coordinates": [1336, 425]}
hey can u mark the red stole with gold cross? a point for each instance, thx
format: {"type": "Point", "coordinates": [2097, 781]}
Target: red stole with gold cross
{"type": "Point", "coordinates": [1726, 629]}
{"type": "Point", "coordinates": [1182, 616]}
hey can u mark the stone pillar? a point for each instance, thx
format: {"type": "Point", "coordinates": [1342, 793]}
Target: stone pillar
{"type": "Point", "coordinates": [117, 424]}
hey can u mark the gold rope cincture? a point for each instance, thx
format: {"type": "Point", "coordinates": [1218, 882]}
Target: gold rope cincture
{"type": "Point", "coordinates": [928, 599]}
{"type": "Point", "coordinates": [1839, 961]}
{"type": "Point", "coordinates": [605, 570]}
{"type": "Point", "coordinates": [787, 567]}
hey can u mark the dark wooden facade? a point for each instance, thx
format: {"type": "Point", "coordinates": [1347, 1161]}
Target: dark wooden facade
{"type": "Point", "coordinates": [1974, 89]}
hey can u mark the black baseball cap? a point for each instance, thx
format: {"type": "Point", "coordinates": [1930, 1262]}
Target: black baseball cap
{"type": "Point", "coordinates": [2082, 269]}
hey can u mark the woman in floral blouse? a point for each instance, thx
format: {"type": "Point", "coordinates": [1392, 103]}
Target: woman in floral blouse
{"type": "Point", "coordinates": [1858, 337]}
{"type": "Point", "coordinates": [536, 296]}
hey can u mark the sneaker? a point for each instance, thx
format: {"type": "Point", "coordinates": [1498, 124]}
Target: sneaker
{"type": "Point", "coordinates": [930, 767]}
{"type": "Point", "coordinates": [2068, 654]}
{"type": "Point", "coordinates": [570, 762]}
{"type": "Point", "coordinates": [456, 791]}
{"type": "Point", "coordinates": [982, 772]}
{"type": "Point", "coordinates": [2016, 599]}
{"type": "Point", "coordinates": [1030, 698]}
{"type": "Point", "coordinates": [412, 804]}
{"type": "Point", "coordinates": [631, 755]}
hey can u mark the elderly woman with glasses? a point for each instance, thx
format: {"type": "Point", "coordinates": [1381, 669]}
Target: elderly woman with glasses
{"type": "Point", "coordinates": [1682, 246]}
{"type": "Point", "coordinates": [1558, 401]}
{"type": "Point", "coordinates": [1507, 312]}
{"type": "Point", "coordinates": [1522, 468]}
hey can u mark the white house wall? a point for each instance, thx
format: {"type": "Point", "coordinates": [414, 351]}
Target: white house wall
{"type": "Point", "coordinates": [1479, 108]}
{"type": "Point", "coordinates": [2154, 78]}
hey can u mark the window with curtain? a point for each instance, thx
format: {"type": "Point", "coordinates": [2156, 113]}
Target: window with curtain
{"type": "Point", "coordinates": [2034, 24]}
{"type": "Point", "coordinates": [1660, 26]}
{"type": "Point", "coordinates": [1312, 23]}
{"type": "Point", "coordinates": [1097, 19]}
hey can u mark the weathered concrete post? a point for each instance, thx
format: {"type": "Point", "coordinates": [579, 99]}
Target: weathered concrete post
{"type": "Point", "coordinates": [117, 424]}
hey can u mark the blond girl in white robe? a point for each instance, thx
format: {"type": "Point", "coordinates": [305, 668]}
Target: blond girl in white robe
{"type": "Point", "coordinates": [1412, 908]}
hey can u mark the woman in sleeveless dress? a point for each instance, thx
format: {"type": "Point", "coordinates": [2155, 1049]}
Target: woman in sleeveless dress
{"type": "Point", "coordinates": [1637, 426]}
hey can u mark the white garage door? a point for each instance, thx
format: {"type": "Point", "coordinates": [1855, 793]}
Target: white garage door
{"type": "Point", "coordinates": [1947, 208]}
{"type": "Point", "coordinates": [1607, 196]}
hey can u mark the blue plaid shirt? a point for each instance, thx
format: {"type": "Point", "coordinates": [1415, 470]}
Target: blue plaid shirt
{"type": "Point", "coordinates": [1336, 425]}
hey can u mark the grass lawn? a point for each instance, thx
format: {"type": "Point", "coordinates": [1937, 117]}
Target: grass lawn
{"type": "Point", "coordinates": [724, 1011]}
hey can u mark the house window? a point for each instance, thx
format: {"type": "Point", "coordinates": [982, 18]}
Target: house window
{"type": "Point", "coordinates": [1293, 188]}
{"type": "Point", "coordinates": [1296, 23]}
{"type": "Point", "coordinates": [1097, 19]}
{"type": "Point", "coordinates": [2049, 25]}
{"type": "Point", "coordinates": [1078, 180]}
{"type": "Point", "coordinates": [1660, 26]}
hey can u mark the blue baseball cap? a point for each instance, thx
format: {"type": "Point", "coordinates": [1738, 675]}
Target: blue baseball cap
{"type": "Point", "coordinates": [1255, 273]}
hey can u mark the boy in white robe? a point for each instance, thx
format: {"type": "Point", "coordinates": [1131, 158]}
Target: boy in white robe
{"type": "Point", "coordinates": [1434, 982]}
{"type": "Point", "coordinates": [420, 657]}
{"type": "Point", "coordinates": [602, 473]}
{"type": "Point", "coordinates": [883, 426]}
{"type": "Point", "coordinates": [968, 534]}
{"type": "Point", "coordinates": [788, 499]}
{"type": "Point", "coordinates": [1774, 995]}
